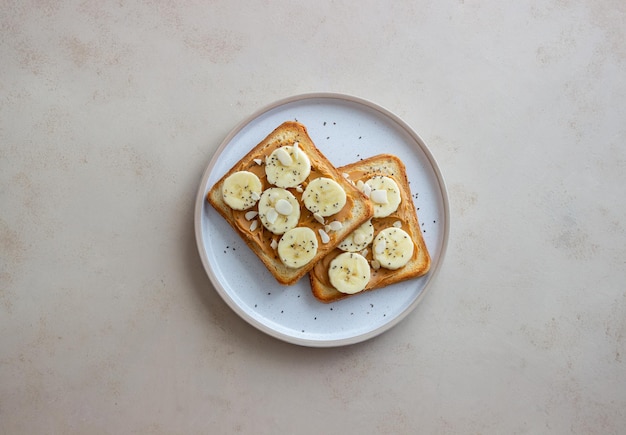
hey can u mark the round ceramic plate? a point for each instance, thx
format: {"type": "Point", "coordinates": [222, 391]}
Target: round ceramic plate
{"type": "Point", "coordinates": [345, 129]}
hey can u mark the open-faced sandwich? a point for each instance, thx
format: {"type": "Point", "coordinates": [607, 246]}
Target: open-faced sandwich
{"type": "Point", "coordinates": [386, 249]}
{"type": "Point", "coordinates": [289, 203]}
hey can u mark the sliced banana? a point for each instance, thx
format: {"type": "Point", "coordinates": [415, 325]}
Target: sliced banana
{"type": "Point", "coordinates": [278, 210]}
{"type": "Point", "coordinates": [324, 196]}
{"type": "Point", "coordinates": [358, 239]}
{"type": "Point", "coordinates": [349, 272]}
{"type": "Point", "coordinates": [241, 190]}
{"type": "Point", "coordinates": [297, 247]}
{"type": "Point", "coordinates": [287, 166]}
{"type": "Point", "coordinates": [392, 248]}
{"type": "Point", "coordinates": [385, 195]}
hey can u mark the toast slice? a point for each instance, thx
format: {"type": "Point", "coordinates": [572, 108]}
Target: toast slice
{"type": "Point", "coordinates": [405, 217]}
{"type": "Point", "coordinates": [265, 243]}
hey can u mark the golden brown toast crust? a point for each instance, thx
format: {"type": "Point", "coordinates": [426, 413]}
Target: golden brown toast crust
{"type": "Point", "coordinates": [391, 166]}
{"type": "Point", "coordinates": [357, 210]}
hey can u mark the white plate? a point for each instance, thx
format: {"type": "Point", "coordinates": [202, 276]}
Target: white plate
{"type": "Point", "coordinates": [345, 129]}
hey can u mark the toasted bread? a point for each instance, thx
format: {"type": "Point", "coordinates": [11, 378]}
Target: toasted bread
{"type": "Point", "coordinates": [419, 264]}
{"type": "Point", "coordinates": [263, 242]}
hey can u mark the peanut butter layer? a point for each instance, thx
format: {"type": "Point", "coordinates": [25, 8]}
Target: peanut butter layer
{"type": "Point", "coordinates": [263, 236]}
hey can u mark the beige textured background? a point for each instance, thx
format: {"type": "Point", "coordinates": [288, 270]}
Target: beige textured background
{"type": "Point", "coordinates": [111, 110]}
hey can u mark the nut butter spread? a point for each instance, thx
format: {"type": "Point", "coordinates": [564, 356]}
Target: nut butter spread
{"type": "Point", "coordinates": [265, 237]}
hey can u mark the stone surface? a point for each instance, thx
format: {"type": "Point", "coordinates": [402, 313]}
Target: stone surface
{"type": "Point", "coordinates": [109, 114]}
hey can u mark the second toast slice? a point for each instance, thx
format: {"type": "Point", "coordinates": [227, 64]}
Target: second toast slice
{"type": "Point", "coordinates": [363, 243]}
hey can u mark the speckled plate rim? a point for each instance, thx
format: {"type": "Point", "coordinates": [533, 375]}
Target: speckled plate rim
{"type": "Point", "coordinates": [436, 261]}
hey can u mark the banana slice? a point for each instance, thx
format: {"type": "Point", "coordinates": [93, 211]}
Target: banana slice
{"type": "Point", "coordinates": [385, 195]}
{"type": "Point", "coordinates": [241, 190]}
{"type": "Point", "coordinates": [349, 272]}
{"type": "Point", "coordinates": [392, 248]}
{"type": "Point", "coordinates": [279, 210]}
{"type": "Point", "coordinates": [287, 166]}
{"type": "Point", "coordinates": [297, 247]}
{"type": "Point", "coordinates": [324, 196]}
{"type": "Point", "coordinates": [358, 239]}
